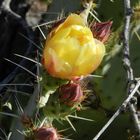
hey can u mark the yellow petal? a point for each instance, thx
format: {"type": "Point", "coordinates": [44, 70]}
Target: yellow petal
{"type": "Point", "coordinates": [71, 50]}
{"type": "Point", "coordinates": [72, 19]}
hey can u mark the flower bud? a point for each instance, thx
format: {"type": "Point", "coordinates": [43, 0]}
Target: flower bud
{"type": "Point", "coordinates": [101, 31]}
{"type": "Point", "coordinates": [71, 93]}
{"type": "Point", "coordinates": [46, 133]}
{"type": "Point", "coordinates": [70, 49]}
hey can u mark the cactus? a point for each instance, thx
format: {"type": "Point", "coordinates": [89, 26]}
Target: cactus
{"type": "Point", "coordinates": [53, 101]}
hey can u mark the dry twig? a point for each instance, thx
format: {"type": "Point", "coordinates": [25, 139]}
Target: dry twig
{"type": "Point", "coordinates": [121, 108]}
{"type": "Point", "coordinates": [127, 62]}
{"type": "Point", "coordinates": [133, 85]}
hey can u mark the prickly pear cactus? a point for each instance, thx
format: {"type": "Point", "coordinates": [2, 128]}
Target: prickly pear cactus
{"type": "Point", "coordinates": [57, 104]}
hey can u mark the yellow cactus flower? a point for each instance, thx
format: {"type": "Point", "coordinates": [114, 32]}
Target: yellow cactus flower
{"type": "Point", "coordinates": [71, 50]}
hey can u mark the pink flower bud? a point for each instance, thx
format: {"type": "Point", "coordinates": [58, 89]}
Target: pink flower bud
{"type": "Point", "coordinates": [46, 133]}
{"type": "Point", "coordinates": [101, 31]}
{"type": "Point", "coordinates": [71, 93]}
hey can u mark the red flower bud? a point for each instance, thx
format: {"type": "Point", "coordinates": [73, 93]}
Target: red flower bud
{"type": "Point", "coordinates": [46, 133]}
{"type": "Point", "coordinates": [71, 93]}
{"type": "Point", "coordinates": [101, 31]}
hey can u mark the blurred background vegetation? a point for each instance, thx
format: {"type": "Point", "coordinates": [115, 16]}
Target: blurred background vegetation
{"type": "Point", "coordinates": [110, 89]}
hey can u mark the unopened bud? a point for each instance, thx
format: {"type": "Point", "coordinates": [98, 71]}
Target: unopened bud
{"type": "Point", "coordinates": [46, 133]}
{"type": "Point", "coordinates": [71, 93]}
{"type": "Point", "coordinates": [101, 31]}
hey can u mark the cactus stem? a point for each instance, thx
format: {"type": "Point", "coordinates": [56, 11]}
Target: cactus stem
{"type": "Point", "coordinates": [21, 67]}
{"type": "Point", "coordinates": [138, 36]}
{"type": "Point", "coordinates": [27, 58]}
{"type": "Point", "coordinates": [41, 32]}
{"type": "Point", "coordinates": [94, 16]}
{"type": "Point", "coordinates": [85, 13]}
{"type": "Point", "coordinates": [80, 118]}
{"type": "Point", "coordinates": [9, 114]}
{"type": "Point", "coordinates": [67, 118]}
{"type": "Point", "coordinates": [37, 46]}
